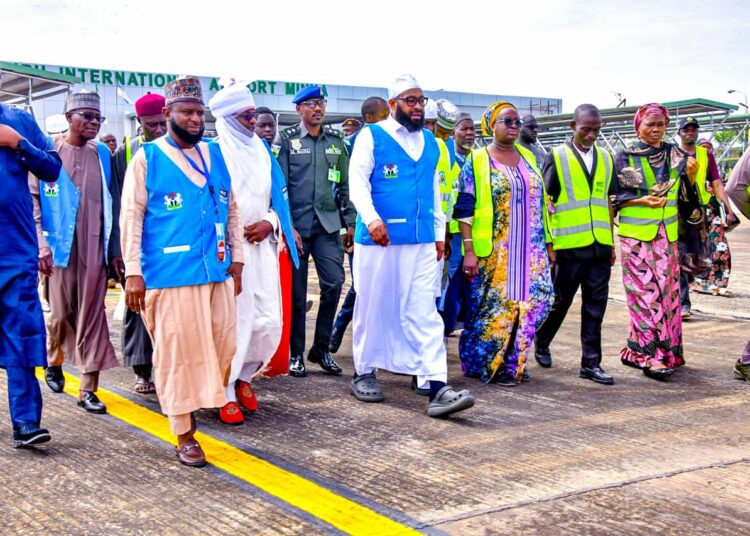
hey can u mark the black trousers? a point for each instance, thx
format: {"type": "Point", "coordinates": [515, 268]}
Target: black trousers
{"type": "Point", "coordinates": [328, 253]}
{"type": "Point", "coordinates": [136, 342]}
{"type": "Point", "coordinates": [592, 275]}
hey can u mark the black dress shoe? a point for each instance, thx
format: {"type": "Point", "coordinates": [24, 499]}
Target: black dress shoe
{"type": "Point", "coordinates": [336, 337]}
{"type": "Point", "coordinates": [325, 360]}
{"type": "Point", "coordinates": [297, 366]}
{"type": "Point", "coordinates": [55, 379]}
{"type": "Point", "coordinates": [543, 357]}
{"type": "Point", "coordinates": [661, 374]}
{"type": "Point", "coordinates": [91, 403]}
{"type": "Point", "coordinates": [596, 374]}
{"type": "Point", "coordinates": [27, 435]}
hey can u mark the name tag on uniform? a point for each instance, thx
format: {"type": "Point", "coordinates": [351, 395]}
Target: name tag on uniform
{"type": "Point", "coordinates": [221, 245]}
{"type": "Point", "coordinates": [299, 151]}
{"type": "Point", "coordinates": [333, 150]}
{"type": "Point", "coordinates": [334, 175]}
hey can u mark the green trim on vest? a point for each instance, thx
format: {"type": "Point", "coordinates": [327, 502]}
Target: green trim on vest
{"type": "Point", "coordinates": [642, 223]}
{"type": "Point", "coordinates": [581, 216]}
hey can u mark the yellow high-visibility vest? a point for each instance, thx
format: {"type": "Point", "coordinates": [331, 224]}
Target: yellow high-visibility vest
{"type": "Point", "coordinates": [642, 223]}
{"type": "Point", "coordinates": [581, 214]}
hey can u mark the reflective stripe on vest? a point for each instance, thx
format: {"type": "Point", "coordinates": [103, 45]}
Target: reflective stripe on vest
{"type": "Point", "coordinates": [581, 215]}
{"type": "Point", "coordinates": [445, 173]}
{"type": "Point", "coordinates": [481, 227]}
{"type": "Point", "coordinates": [642, 223]}
{"type": "Point", "coordinates": [701, 156]}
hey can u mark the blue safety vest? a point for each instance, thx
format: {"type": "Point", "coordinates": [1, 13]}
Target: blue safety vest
{"type": "Point", "coordinates": [402, 190]}
{"type": "Point", "coordinates": [185, 226]}
{"type": "Point", "coordinates": [59, 203]}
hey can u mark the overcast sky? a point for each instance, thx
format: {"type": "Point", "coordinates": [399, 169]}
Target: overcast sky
{"type": "Point", "coordinates": [578, 51]}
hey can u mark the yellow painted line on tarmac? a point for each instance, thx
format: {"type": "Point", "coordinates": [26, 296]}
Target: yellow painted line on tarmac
{"type": "Point", "coordinates": [344, 514]}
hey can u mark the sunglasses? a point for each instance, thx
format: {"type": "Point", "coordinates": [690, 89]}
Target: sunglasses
{"type": "Point", "coordinates": [88, 116]}
{"type": "Point", "coordinates": [507, 121]}
{"type": "Point", "coordinates": [412, 101]}
{"type": "Point", "coordinates": [313, 103]}
{"type": "Point", "coordinates": [248, 116]}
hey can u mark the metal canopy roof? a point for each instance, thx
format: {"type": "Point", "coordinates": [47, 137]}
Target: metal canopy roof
{"type": "Point", "coordinates": [20, 84]}
{"type": "Point", "coordinates": [617, 123]}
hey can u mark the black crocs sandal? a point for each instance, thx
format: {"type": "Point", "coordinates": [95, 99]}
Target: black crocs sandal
{"type": "Point", "coordinates": [365, 388]}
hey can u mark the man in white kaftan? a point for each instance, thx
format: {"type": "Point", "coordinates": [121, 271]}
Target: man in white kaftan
{"type": "Point", "coordinates": [259, 313]}
{"type": "Point", "coordinates": [398, 243]}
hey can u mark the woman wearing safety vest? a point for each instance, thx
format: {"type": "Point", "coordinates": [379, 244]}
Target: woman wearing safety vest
{"type": "Point", "coordinates": [501, 210]}
{"type": "Point", "coordinates": [648, 182]}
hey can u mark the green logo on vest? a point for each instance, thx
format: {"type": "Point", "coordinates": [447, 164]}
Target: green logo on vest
{"type": "Point", "coordinates": [51, 190]}
{"type": "Point", "coordinates": [390, 171]}
{"type": "Point", "coordinates": [173, 201]}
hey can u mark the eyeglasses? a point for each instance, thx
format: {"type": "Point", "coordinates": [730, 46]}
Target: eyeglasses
{"type": "Point", "coordinates": [412, 101]}
{"type": "Point", "coordinates": [532, 126]}
{"type": "Point", "coordinates": [88, 116]}
{"type": "Point", "coordinates": [507, 121]}
{"type": "Point", "coordinates": [314, 103]}
{"type": "Point", "coordinates": [248, 116]}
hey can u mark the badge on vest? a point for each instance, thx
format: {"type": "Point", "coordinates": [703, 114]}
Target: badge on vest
{"type": "Point", "coordinates": [442, 177]}
{"type": "Point", "coordinates": [173, 201]}
{"type": "Point", "coordinates": [223, 196]}
{"type": "Point", "coordinates": [390, 171]}
{"type": "Point", "coordinates": [221, 245]}
{"type": "Point", "coordinates": [51, 189]}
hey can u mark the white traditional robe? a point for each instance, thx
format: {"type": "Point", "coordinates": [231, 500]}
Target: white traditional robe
{"type": "Point", "coordinates": [396, 323]}
{"type": "Point", "coordinates": [259, 312]}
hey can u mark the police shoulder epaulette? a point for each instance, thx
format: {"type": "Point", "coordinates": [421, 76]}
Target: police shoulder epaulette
{"type": "Point", "coordinates": [289, 132]}
{"type": "Point", "coordinates": [333, 132]}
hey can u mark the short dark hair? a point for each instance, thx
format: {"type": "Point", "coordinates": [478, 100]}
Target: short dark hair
{"type": "Point", "coordinates": [585, 109]}
{"type": "Point", "coordinates": [263, 110]}
{"type": "Point", "coordinates": [371, 104]}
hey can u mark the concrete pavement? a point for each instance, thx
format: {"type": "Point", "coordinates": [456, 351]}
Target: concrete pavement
{"type": "Point", "coordinates": [558, 455]}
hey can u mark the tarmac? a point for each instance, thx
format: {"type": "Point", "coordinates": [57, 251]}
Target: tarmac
{"type": "Point", "coordinates": [557, 455]}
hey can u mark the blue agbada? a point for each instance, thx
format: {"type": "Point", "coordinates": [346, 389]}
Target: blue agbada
{"type": "Point", "coordinates": [22, 332]}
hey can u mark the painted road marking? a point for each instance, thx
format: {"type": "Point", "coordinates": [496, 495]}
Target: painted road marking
{"type": "Point", "coordinates": [318, 501]}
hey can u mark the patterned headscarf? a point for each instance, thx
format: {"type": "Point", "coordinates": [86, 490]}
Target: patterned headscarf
{"type": "Point", "coordinates": [491, 113]}
{"type": "Point", "coordinates": [649, 109]}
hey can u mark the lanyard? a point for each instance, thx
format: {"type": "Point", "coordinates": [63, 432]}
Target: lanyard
{"type": "Point", "coordinates": [192, 163]}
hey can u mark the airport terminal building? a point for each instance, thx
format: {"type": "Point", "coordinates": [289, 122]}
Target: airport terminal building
{"type": "Point", "coordinates": [120, 89]}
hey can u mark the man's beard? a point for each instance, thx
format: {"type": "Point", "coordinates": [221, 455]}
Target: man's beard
{"type": "Point", "coordinates": [404, 119]}
{"type": "Point", "coordinates": [184, 135]}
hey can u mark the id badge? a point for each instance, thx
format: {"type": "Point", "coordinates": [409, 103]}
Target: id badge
{"type": "Point", "coordinates": [334, 175]}
{"type": "Point", "coordinates": [221, 244]}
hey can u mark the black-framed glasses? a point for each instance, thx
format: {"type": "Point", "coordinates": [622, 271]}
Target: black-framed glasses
{"type": "Point", "coordinates": [507, 121]}
{"type": "Point", "coordinates": [532, 126]}
{"type": "Point", "coordinates": [88, 116]}
{"type": "Point", "coordinates": [313, 103]}
{"type": "Point", "coordinates": [412, 100]}
{"type": "Point", "coordinates": [248, 116]}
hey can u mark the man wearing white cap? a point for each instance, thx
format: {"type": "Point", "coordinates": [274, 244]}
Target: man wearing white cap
{"type": "Point", "coordinates": [259, 187]}
{"type": "Point", "coordinates": [399, 240]}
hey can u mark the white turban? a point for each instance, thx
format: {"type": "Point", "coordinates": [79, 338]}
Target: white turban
{"type": "Point", "coordinates": [248, 161]}
{"type": "Point", "coordinates": [231, 100]}
{"type": "Point", "coordinates": [402, 83]}
{"type": "Point", "coordinates": [431, 110]}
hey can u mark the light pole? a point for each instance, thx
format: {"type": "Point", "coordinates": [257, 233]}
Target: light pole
{"type": "Point", "coordinates": [745, 97]}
